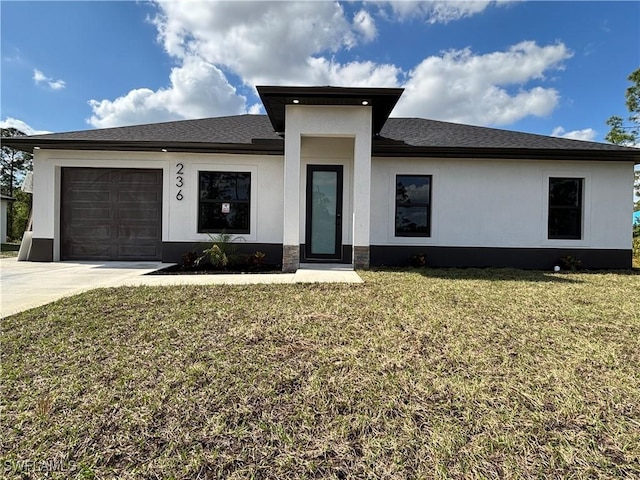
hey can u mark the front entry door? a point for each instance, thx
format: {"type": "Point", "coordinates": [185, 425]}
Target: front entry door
{"type": "Point", "coordinates": [324, 213]}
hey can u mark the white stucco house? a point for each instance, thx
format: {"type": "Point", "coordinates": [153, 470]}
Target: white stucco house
{"type": "Point", "coordinates": [327, 176]}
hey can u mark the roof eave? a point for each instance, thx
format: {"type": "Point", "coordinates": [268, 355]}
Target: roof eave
{"type": "Point", "coordinates": [268, 147]}
{"type": "Point", "coordinates": [506, 153]}
{"type": "Point", "coordinates": [276, 147]}
{"type": "Point", "coordinates": [380, 100]}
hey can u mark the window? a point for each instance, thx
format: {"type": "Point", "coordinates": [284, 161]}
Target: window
{"type": "Point", "coordinates": [224, 202]}
{"type": "Point", "coordinates": [413, 205]}
{"type": "Point", "coordinates": [565, 208]}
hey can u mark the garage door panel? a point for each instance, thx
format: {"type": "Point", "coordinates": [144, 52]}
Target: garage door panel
{"type": "Point", "coordinates": [138, 214]}
{"type": "Point", "coordinates": [111, 214]}
{"type": "Point", "coordinates": [132, 251]}
{"type": "Point", "coordinates": [91, 176]}
{"type": "Point", "coordinates": [139, 232]}
{"type": "Point", "coordinates": [90, 232]}
{"type": "Point", "coordinates": [90, 213]}
{"type": "Point", "coordinates": [138, 196]}
{"type": "Point", "coordinates": [90, 252]}
{"type": "Point", "coordinates": [86, 195]}
{"type": "Point", "coordinates": [139, 178]}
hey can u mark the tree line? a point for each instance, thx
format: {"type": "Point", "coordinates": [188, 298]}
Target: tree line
{"type": "Point", "coordinates": [15, 164]}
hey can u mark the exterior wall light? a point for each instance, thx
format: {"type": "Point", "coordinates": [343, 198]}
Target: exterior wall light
{"type": "Point", "coordinates": [164, 150]}
{"type": "Point", "coordinates": [365, 102]}
{"type": "Point", "coordinates": [296, 101]}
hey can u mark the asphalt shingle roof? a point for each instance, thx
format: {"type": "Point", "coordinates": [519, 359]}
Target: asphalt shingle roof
{"type": "Point", "coordinates": [420, 132]}
{"type": "Point", "coordinates": [237, 129]}
{"type": "Point", "coordinates": [255, 132]}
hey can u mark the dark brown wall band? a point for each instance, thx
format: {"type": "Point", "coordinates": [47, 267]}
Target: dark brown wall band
{"type": "Point", "coordinates": [527, 258]}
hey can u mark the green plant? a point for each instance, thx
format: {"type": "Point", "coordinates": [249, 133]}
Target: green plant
{"type": "Point", "coordinates": [418, 260]}
{"type": "Point", "coordinates": [20, 210]}
{"type": "Point", "coordinates": [570, 263]}
{"type": "Point", "coordinates": [221, 253]}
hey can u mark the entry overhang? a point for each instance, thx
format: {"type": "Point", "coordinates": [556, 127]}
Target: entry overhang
{"type": "Point", "coordinates": [381, 100]}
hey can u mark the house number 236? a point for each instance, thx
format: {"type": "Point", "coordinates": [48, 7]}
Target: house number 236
{"type": "Point", "coordinates": [179, 180]}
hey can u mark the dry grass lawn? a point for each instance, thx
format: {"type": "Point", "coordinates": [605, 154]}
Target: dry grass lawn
{"type": "Point", "coordinates": [440, 374]}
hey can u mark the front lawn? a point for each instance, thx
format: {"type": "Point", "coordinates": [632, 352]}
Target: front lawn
{"type": "Point", "coordinates": [440, 374]}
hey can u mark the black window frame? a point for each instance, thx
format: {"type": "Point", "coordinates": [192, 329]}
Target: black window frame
{"type": "Point", "coordinates": [209, 201]}
{"type": "Point", "coordinates": [555, 211]}
{"type": "Point", "coordinates": [409, 204]}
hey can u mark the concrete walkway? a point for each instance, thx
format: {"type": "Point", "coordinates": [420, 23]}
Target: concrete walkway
{"type": "Point", "coordinates": [25, 285]}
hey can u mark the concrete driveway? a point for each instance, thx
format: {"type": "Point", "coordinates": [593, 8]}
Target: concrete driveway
{"type": "Point", "coordinates": [25, 285]}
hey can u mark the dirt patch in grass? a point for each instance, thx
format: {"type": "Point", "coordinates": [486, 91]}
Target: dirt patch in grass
{"type": "Point", "coordinates": [439, 374]}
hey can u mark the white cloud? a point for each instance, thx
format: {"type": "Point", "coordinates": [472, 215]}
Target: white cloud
{"type": "Point", "coordinates": [295, 43]}
{"type": "Point", "coordinates": [437, 11]}
{"type": "Point", "coordinates": [267, 42]}
{"type": "Point", "coordinates": [260, 42]}
{"type": "Point", "coordinates": [58, 84]}
{"type": "Point", "coordinates": [355, 74]}
{"type": "Point", "coordinates": [39, 78]}
{"type": "Point", "coordinates": [10, 122]}
{"type": "Point", "coordinates": [460, 86]}
{"type": "Point", "coordinates": [255, 109]}
{"type": "Point", "coordinates": [365, 25]}
{"type": "Point", "coordinates": [588, 134]}
{"type": "Point", "coordinates": [198, 89]}
{"type": "Point", "coordinates": [257, 40]}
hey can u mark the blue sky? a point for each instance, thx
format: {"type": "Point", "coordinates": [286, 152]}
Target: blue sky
{"type": "Point", "coordinates": [543, 67]}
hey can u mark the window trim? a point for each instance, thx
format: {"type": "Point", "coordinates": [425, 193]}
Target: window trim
{"type": "Point", "coordinates": [585, 175]}
{"type": "Point", "coordinates": [427, 205]}
{"type": "Point", "coordinates": [249, 202]}
{"type": "Point", "coordinates": [579, 208]}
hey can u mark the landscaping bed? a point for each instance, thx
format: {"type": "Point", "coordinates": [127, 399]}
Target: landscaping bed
{"type": "Point", "coordinates": [237, 269]}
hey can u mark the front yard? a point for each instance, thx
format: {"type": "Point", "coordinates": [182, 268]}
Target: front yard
{"type": "Point", "coordinates": [440, 374]}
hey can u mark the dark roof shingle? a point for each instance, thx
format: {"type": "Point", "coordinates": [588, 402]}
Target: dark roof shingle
{"type": "Point", "coordinates": [254, 133]}
{"type": "Point", "coordinates": [420, 132]}
{"type": "Point", "coordinates": [235, 129]}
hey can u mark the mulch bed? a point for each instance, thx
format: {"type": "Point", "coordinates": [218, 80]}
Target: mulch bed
{"type": "Point", "coordinates": [181, 270]}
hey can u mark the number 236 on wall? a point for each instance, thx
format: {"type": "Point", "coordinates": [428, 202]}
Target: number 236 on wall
{"type": "Point", "coordinates": [179, 180]}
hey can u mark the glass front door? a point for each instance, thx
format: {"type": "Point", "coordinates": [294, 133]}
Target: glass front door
{"type": "Point", "coordinates": [324, 212]}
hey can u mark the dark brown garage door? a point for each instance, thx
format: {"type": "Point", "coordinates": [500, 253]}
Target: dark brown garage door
{"type": "Point", "coordinates": [111, 214]}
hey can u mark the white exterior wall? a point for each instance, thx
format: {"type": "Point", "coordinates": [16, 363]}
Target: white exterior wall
{"type": "Point", "coordinates": [502, 203]}
{"type": "Point", "coordinates": [475, 203]}
{"type": "Point", "coordinates": [352, 122]}
{"type": "Point", "coordinates": [179, 217]}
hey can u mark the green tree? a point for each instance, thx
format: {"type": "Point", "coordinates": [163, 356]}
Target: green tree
{"type": "Point", "coordinates": [15, 164]}
{"type": "Point", "coordinates": [628, 134]}
{"type": "Point", "coordinates": [20, 214]}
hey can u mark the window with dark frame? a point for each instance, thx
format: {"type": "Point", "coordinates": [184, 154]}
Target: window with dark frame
{"type": "Point", "coordinates": [224, 200]}
{"type": "Point", "coordinates": [413, 206]}
{"type": "Point", "coordinates": [565, 208]}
